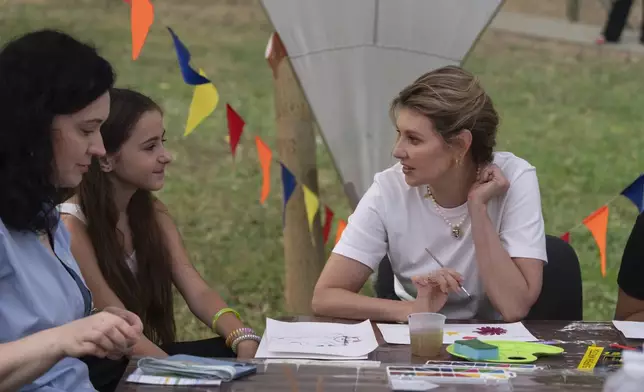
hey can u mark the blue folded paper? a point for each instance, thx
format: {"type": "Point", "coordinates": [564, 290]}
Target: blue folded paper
{"type": "Point", "coordinates": [241, 369]}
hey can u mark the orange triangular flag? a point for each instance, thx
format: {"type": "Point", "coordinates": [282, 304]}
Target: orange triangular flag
{"type": "Point", "coordinates": [265, 157]}
{"type": "Point", "coordinates": [597, 223]}
{"type": "Point", "coordinates": [341, 226]}
{"type": "Point", "coordinates": [141, 18]}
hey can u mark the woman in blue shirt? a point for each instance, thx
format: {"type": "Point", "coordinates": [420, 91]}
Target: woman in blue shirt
{"type": "Point", "coordinates": [24, 360]}
{"type": "Point", "coordinates": [53, 99]}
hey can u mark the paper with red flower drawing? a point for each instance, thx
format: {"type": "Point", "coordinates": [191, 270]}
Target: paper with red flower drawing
{"type": "Point", "coordinates": [399, 333]}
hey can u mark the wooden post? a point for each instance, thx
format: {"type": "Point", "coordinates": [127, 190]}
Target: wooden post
{"type": "Point", "coordinates": [572, 10]}
{"type": "Point", "coordinates": [303, 250]}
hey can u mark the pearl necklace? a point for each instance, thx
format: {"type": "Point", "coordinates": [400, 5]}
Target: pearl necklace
{"type": "Point", "coordinates": [456, 228]}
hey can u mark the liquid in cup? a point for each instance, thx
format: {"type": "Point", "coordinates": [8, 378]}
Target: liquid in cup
{"type": "Point", "coordinates": [426, 334]}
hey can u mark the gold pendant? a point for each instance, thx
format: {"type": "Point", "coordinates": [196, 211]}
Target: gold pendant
{"type": "Point", "coordinates": [456, 232]}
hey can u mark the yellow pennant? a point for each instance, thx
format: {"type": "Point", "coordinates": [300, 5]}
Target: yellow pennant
{"type": "Point", "coordinates": [204, 102]}
{"type": "Point", "coordinates": [312, 204]}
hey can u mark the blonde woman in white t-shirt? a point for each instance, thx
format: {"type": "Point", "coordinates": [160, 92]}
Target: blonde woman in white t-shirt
{"type": "Point", "coordinates": [476, 210]}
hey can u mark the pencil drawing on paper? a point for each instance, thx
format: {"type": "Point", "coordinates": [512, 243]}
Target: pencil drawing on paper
{"type": "Point", "coordinates": [331, 340]}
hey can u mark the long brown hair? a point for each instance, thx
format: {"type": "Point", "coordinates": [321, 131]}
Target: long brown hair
{"type": "Point", "coordinates": [148, 292]}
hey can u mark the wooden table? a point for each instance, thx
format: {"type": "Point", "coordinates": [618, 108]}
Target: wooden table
{"type": "Point", "coordinates": [561, 375]}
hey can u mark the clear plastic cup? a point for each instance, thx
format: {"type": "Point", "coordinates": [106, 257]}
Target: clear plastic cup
{"type": "Point", "coordinates": [426, 334]}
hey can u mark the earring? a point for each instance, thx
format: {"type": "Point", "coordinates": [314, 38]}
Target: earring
{"type": "Point", "coordinates": [105, 166]}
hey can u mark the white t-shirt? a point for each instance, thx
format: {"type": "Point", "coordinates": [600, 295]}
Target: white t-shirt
{"type": "Point", "coordinates": [396, 219]}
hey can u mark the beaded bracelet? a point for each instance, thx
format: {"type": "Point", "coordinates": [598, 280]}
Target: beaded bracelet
{"type": "Point", "coordinates": [242, 338]}
{"type": "Point", "coordinates": [237, 333]}
{"type": "Point", "coordinates": [220, 313]}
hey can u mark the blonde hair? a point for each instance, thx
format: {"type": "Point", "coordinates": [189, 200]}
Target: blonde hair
{"type": "Point", "coordinates": [453, 100]}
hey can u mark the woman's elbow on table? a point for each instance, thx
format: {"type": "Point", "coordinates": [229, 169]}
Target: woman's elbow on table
{"type": "Point", "coordinates": [340, 278]}
{"type": "Point", "coordinates": [519, 308]}
{"type": "Point", "coordinates": [325, 300]}
{"type": "Point", "coordinates": [515, 307]}
{"type": "Point", "coordinates": [319, 303]}
{"type": "Point", "coordinates": [515, 314]}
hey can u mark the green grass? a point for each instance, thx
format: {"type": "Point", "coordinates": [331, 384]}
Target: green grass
{"type": "Point", "coordinates": [576, 118]}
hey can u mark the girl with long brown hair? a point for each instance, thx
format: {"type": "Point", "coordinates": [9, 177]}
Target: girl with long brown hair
{"type": "Point", "coordinates": [127, 245]}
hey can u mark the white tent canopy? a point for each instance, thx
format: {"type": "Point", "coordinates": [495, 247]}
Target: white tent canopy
{"type": "Point", "coordinates": [353, 56]}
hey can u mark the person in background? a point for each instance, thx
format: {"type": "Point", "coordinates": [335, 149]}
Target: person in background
{"type": "Point", "coordinates": [26, 359]}
{"type": "Point", "coordinates": [477, 211]}
{"type": "Point", "coordinates": [54, 96]}
{"type": "Point", "coordinates": [616, 21]}
{"type": "Point", "coordinates": [630, 298]}
{"type": "Point", "coordinates": [128, 246]}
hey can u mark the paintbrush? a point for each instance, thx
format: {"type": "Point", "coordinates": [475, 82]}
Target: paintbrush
{"type": "Point", "coordinates": [442, 266]}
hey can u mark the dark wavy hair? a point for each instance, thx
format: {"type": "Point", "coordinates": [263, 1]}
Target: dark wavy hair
{"type": "Point", "coordinates": [42, 74]}
{"type": "Point", "coordinates": [148, 293]}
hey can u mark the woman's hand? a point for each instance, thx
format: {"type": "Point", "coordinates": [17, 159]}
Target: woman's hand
{"type": "Point", "coordinates": [489, 183]}
{"type": "Point", "coordinates": [433, 289]}
{"type": "Point", "coordinates": [246, 349]}
{"type": "Point", "coordinates": [102, 335]}
{"type": "Point", "coordinates": [129, 317]}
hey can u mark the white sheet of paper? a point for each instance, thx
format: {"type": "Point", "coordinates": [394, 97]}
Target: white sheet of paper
{"type": "Point", "coordinates": [399, 333]}
{"type": "Point", "coordinates": [264, 353]}
{"type": "Point", "coordinates": [314, 340]}
{"type": "Point", "coordinates": [395, 333]}
{"type": "Point", "coordinates": [342, 340]}
{"type": "Point", "coordinates": [138, 377]}
{"type": "Point", "coordinates": [313, 362]}
{"type": "Point", "coordinates": [630, 329]}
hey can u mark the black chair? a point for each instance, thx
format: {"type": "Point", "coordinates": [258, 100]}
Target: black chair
{"type": "Point", "coordinates": [561, 296]}
{"type": "Point", "coordinates": [384, 283]}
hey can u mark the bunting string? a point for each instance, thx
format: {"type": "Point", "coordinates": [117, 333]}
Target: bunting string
{"type": "Point", "coordinates": [580, 224]}
{"type": "Point", "coordinates": [597, 221]}
{"type": "Point", "coordinates": [290, 181]}
{"type": "Point", "coordinates": [205, 95]}
{"type": "Point", "coordinates": [206, 98]}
